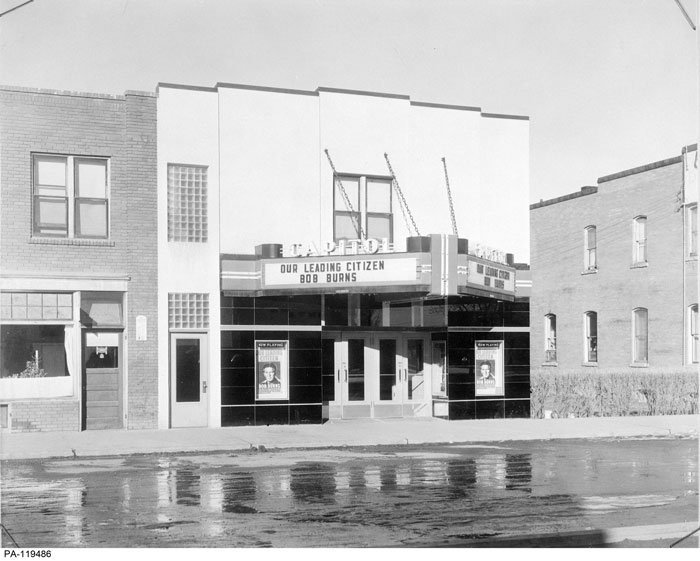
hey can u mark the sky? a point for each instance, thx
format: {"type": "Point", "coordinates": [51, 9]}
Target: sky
{"type": "Point", "coordinates": [607, 84]}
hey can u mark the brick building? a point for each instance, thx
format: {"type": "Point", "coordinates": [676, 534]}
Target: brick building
{"type": "Point", "coordinates": [614, 271]}
{"type": "Point", "coordinates": [78, 270]}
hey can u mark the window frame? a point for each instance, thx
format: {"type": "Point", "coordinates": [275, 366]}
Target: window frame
{"type": "Point", "coordinates": [637, 358]}
{"type": "Point", "coordinates": [71, 198]}
{"type": "Point", "coordinates": [639, 240]}
{"type": "Point", "coordinates": [693, 353]}
{"type": "Point", "coordinates": [590, 254]}
{"type": "Point", "coordinates": [550, 338]}
{"type": "Point", "coordinates": [361, 211]}
{"type": "Point", "coordinates": [692, 231]}
{"type": "Point", "coordinates": [590, 340]}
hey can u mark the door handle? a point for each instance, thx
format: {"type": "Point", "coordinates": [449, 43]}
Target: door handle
{"type": "Point", "coordinates": [405, 374]}
{"type": "Point", "coordinates": [204, 386]}
{"type": "Point", "coordinates": [338, 371]}
{"type": "Point", "coordinates": [346, 374]}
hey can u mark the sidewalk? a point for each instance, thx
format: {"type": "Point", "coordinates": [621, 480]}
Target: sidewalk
{"type": "Point", "coordinates": [336, 433]}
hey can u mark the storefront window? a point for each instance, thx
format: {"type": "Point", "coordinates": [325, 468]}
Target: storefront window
{"type": "Point", "coordinates": [33, 351]}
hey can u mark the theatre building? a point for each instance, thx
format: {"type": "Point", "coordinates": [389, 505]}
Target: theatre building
{"type": "Point", "coordinates": [614, 271]}
{"type": "Point", "coordinates": [77, 260]}
{"type": "Point", "coordinates": [336, 254]}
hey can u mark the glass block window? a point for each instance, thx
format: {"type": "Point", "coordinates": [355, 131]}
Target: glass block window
{"type": "Point", "coordinates": [36, 306]}
{"type": "Point", "coordinates": [187, 203]}
{"type": "Point", "coordinates": [188, 311]}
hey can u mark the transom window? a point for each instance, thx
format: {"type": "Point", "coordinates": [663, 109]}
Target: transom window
{"type": "Point", "coordinates": [590, 261]}
{"type": "Point", "coordinates": [362, 206]}
{"type": "Point", "coordinates": [590, 352]}
{"type": "Point", "coordinates": [550, 338]}
{"type": "Point", "coordinates": [639, 248]}
{"type": "Point", "coordinates": [71, 196]}
{"type": "Point", "coordinates": [640, 341]}
{"type": "Point", "coordinates": [187, 203]}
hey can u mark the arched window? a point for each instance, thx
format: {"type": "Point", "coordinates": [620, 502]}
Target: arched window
{"type": "Point", "coordinates": [590, 261]}
{"type": "Point", "coordinates": [693, 349]}
{"type": "Point", "coordinates": [550, 338]}
{"type": "Point", "coordinates": [640, 336]}
{"type": "Point", "coordinates": [639, 247]}
{"type": "Point", "coordinates": [590, 353]}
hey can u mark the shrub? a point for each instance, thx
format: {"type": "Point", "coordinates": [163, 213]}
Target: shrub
{"type": "Point", "coordinates": [613, 393]}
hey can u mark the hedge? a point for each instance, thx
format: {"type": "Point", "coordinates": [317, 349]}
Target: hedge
{"type": "Point", "coordinates": [609, 393]}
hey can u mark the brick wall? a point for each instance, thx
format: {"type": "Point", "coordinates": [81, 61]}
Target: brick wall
{"type": "Point", "coordinates": [123, 129]}
{"type": "Point", "coordinates": [45, 415]}
{"type": "Point", "coordinates": [142, 262]}
{"type": "Point", "coordinates": [47, 122]}
{"type": "Point", "coordinates": [560, 286]}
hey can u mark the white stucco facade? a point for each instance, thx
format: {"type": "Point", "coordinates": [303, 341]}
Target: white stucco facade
{"type": "Point", "coordinates": [269, 180]}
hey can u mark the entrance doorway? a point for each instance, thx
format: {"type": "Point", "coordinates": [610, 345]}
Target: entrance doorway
{"type": "Point", "coordinates": [189, 379]}
{"type": "Point", "coordinates": [102, 386]}
{"type": "Point", "coordinates": [380, 375]}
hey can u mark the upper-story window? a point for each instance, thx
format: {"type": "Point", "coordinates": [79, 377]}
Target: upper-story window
{"type": "Point", "coordinates": [187, 203]}
{"type": "Point", "coordinates": [362, 205]}
{"type": "Point", "coordinates": [590, 260]}
{"type": "Point", "coordinates": [71, 196]}
{"type": "Point", "coordinates": [639, 247]}
{"type": "Point", "coordinates": [693, 335]}
{"type": "Point", "coordinates": [692, 230]}
{"type": "Point", "coordinates": [550, 338]}
{"type": "Point", "coordinates": [590, 343]}
{"type": "Point", "coordinates": [640, 340]}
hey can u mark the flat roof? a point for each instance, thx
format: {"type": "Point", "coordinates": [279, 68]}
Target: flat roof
{"type": "Point", "coordinates": [322, 89]}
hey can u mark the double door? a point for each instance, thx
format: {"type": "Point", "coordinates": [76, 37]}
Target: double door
{"type": "Point", "coordinates": [380, 375]}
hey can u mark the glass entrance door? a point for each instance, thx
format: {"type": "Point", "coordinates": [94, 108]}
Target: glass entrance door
{"type": "Point", "coordinates": [415, 389]}
{"type": "Point", "coordinates": [189, 403]}
{"type": "Point", "coordinates": [379, 375]}
{"type": "Point", "coordinates": [352, 353]}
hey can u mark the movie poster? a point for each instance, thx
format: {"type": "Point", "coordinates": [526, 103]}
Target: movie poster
{"type": "Point", "coordinates": [488, 367]}
{"type": "Point", "coordinates": [271, 370]}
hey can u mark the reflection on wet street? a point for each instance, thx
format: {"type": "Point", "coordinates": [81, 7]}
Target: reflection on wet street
{"type": "Point", "coordinates": [383, 496]}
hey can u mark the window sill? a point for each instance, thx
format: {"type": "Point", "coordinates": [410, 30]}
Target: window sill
{"type": "Point", "coordinates": [639, 365]}
{"type": "Point", "coordinates": [590, 271]}
{"type": "Point", "coordinates": [592, 364]}
{"type": "Point", "coordinates": [550, 364]}
{"type": "Point", "coordinates": [642, 265]}
{"type": "Point", "coordinates": [72, 241]}
{"type": "Point", "coordinates": [691, 257]}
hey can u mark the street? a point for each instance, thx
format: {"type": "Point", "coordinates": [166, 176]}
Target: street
{"type": "Point", "coordinates": [432, 495]}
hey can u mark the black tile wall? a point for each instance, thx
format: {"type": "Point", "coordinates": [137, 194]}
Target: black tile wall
{"type": "Point", "coordinates": [238, 377]}
{"type": "Point", "coordinates": [517, 409]}
{"type": "Point", "coordinates": [490, 409]}
{"type": "Point", "coordinates": [305, 414]}
{"type": "Point", "coordinates": [237, 416]}
{"type": "Point", "coordinates": [272, 415]}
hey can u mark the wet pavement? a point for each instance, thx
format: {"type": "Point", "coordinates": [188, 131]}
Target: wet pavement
{"type": "Point", "coordinates": [430, 495]}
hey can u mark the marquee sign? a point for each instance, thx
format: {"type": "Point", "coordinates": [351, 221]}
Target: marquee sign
{"type": "Point", "coordinates": [341, 273]}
